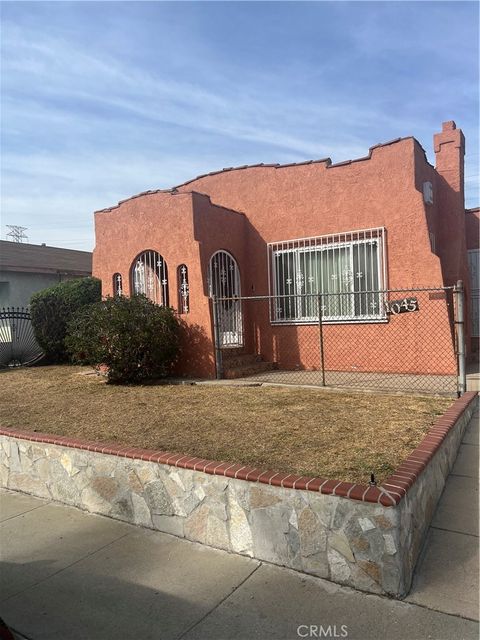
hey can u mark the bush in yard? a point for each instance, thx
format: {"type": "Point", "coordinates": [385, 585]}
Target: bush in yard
{"type": "Point", "coordinates": [133, 337]}
{"type": "Point", "coordinates": [51, 309]}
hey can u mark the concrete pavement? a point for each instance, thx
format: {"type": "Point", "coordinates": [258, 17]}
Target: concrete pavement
{"type": "Point", "coordinates": [446, 578]}
{"type": "Point", "coordinates": [473, 377]}
{"type": "Point", "coordinates": [70, 575]}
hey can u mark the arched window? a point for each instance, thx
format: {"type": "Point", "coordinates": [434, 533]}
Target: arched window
{"type": "Point", "coordinates": [117, 284]}
{"type": "Point", "coordinates": [149, 276]}
{"type": "Point", "coordinates": [183, 289]}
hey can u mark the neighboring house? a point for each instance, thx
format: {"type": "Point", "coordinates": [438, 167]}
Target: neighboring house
{"type": "Point", "coordinates": [386, 221]}
{"type": "Point", "coordinates": [472, 218]}
{"type": "Point", "coordinates": [27, 268]}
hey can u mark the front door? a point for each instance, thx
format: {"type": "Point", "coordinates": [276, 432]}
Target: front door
{"type": "Point", "coordinates": [224, 285]}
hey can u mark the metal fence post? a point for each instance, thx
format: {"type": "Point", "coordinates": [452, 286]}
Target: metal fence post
{"type": "Point", "coordinates": [320, 337]}
{"type": "Point", "coordinates": [216, 337]}
{"type": "Point", "coordinates": [459, 294]}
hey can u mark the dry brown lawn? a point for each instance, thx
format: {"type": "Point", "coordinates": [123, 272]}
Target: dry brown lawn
{"type": "Point", "coordinates": [342, 436]}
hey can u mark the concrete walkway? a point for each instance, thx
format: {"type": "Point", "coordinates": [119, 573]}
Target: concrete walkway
{"type": "Point", "coordinates": [70, 575]}
{"type": "Point", "coordinates": [447, 574]}
{"type": "Point", "coordinates": [473, 377]}
{"type": "Point", "coordinates": [348, 381]}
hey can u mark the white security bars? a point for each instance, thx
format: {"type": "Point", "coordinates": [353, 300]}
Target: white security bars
{"type": "Point", "coordinates": [224, 285]}
{"type": "Point", "coordinates": [346, 269]}
{"type": "Point", "coordinates": [149, 276]}
{"type": "Point", "coordinates": [117, 284]}
{"type": "Point", "coordinates": [183, 289]}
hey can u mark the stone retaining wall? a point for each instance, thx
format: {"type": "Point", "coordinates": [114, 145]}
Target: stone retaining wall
{"type": "Point", "coordinates": [369, 540]}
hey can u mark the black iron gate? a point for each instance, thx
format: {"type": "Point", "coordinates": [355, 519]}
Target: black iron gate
{"type": "Point", "coordinates": [18, 345]}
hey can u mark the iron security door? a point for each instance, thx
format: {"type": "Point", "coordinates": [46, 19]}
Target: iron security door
{"type": "Point", "coordinates": [224, 285]}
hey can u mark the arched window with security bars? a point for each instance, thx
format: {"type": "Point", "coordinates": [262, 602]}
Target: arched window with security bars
{"type": "Point", "coordinates": [149, 276]}
{"type": "Point", "coordinates": [117, 284]}
{"type": "Point", "coordinates": [183, 289]}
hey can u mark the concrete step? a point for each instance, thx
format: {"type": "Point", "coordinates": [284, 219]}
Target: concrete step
{"type": "Point", "coordinates": [246, 370]}
{"type": "Point", "coordinates": [233, 360]}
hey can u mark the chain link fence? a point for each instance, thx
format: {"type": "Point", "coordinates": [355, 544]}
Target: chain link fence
{"type": "Point", "coordinates": [401, 340]}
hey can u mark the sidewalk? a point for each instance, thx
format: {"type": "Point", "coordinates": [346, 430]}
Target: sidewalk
{"type": "Point", "coordinates": [447, 574]}
{"type": "Point", "coordinates": [70, 575]}
{"type": "Point", "coordinates": [473, 377]}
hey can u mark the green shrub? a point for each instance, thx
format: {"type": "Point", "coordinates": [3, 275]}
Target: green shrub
{"type": "Point", "coordinates": [51, 309]}
{"type": "Point", "coordinates": [133, 337]}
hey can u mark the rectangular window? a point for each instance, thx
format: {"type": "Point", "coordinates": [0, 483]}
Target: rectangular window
{"type": "Point", "coordinates": [343, 273]}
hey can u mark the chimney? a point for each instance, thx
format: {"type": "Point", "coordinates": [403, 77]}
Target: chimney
{"type": "Point", "coordinates": [449, 148]}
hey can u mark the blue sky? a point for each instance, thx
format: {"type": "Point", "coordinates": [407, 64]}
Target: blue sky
{"type": "Point", "coordinates": [103, 100]}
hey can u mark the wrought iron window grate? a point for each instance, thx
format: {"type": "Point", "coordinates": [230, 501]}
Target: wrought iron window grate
{"type": "Point", "coordinates": [117, 284]}
{"type": "Point", "coordinates": [149, 276]}
{"type": "Point", "coordinates": [183, 289]}
{"type": "Point", "coordinates": [343, 272]}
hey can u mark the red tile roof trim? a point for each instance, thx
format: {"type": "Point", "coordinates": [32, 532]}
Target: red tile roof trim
{"type": "Point", "coordinates": [389, 493]}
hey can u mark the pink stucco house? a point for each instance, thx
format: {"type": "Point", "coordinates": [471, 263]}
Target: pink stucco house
{"type": "Point", "coordinates": [389, 220]}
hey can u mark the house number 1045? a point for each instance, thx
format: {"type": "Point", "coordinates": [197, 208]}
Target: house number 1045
{"type": "Point", "coordinates": [402, 306]}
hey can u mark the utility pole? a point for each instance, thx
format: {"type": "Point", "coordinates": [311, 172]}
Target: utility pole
{"type": "Point", "coordinates": [459, 293]}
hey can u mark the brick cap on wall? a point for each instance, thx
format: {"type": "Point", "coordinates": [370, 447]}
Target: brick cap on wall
{"type": "Point", "coordinates": [389, 493]}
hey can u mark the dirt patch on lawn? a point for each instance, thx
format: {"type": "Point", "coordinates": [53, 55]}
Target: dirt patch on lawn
{"type": "Point", "coordinates": [343, 436]}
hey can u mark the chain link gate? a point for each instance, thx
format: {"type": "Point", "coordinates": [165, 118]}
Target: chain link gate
{"type": "Point", "coordinates": [404, 340]}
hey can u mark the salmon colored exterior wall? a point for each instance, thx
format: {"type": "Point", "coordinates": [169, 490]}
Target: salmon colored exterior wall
{"type": "Point", "coordinates": [160, 222]}
{"type": "Point", "coordinates": [241, 210]}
